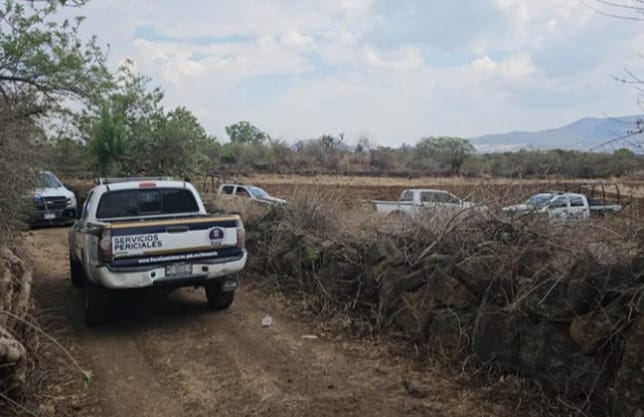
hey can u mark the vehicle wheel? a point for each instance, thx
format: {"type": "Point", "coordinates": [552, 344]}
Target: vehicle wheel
{"type": "Point", "coordinates": [96, 304]}
{"type": "Point", "coordinates": [76, 273]}
{"type": "Point", "coordinates": [218, 299]}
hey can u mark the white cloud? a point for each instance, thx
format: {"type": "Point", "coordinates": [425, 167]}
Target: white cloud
{"type": "Point", "coordinates": [403, 58]}
{"type": "Point", "coordinates": [513, 68]}
{"type": "Point", "coordinates": [300, 69]}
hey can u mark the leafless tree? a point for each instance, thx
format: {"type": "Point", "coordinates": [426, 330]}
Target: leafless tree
{"type": "Point", "coordinates": [626, 10]}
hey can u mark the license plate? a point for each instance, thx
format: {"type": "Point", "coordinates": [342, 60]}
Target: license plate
{"type": "Point", "coordinates": [178, 270]}
{"type": "Point", "coordinates": [50, 216]}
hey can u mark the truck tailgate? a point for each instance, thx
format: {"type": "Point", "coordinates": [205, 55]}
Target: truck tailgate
{"type": "Point", "coordinates": [162, 241]}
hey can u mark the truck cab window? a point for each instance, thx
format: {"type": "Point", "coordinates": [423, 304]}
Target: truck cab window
{"type": "Point", "coordinates": [149, 201]}
{"type": "Point", "coordinates": [561, 202]}
{"type": "Point", "coordinates": [228, 189]}
{"type": "Point", "coordinates": [455, 200]}
{"type": "Point", "coordinates": [576, 202]}
{"type": "Point", "coordinates": [450, 199]}
{"type": "Point", "coordinates": [446, 198]}
{"type": "Point", "coordinates": [242, 192]}
{"type": "Point", "coordinates": [428, 197]}
{"type": "Point", "coordinates": [129, 203]}
{"type": "Point", "coordinates": [407, 196]}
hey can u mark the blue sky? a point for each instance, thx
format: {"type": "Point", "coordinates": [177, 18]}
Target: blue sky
{"type": "Point", "coordinates": [392, 71]}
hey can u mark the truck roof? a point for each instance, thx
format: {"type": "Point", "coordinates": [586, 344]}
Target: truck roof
{"type": "Point", "coordinates": [427, 190]}
{"type": "Point", "coordinates": [238, 184]}
{"type": "Point", "coordinates": [134, 184]}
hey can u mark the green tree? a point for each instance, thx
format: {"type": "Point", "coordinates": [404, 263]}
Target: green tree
{"type": "Point", "coordinates": [622, 162]}
{"type": "Point", "coordinates": [149, 139]}
{"type": "Point", "coordinates": [244, 132]}
{"type": "Point", "coordinates": [450, 152]}
{"type": "Point", "coordinates": [43, 62]}
{"type": "Point", "coordinates": [136, 110]}
{"type": "Point", "coordinates": [180, 144]}
{"type": "Point", "coordinates": [46, 71]}
{"type": "Point", "coordinates": [107, 144]}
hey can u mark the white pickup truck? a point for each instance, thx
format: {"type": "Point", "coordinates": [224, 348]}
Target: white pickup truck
{"type": "Point", "coordinates": [53, 202]}
{"type": "Point", "coordinates": [152, 232]}
{"type": "Point", "coordinates": [572, 206]}
{"type": "Point", "coordinates": [414, 200]}
{"type": "Point", "coordinates": [249, 192]}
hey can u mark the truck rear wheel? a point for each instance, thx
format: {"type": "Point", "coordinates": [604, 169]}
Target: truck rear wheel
{"type": "Point", "coordinates": [76, 273]}
{"type": "Point", "coordinates": [218, 299]}
{"type": "Point", "coordinates": [96, 304]}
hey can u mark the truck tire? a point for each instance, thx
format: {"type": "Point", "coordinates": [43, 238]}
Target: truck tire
{"type": "Point", "coordinates": [96, 304]}
{"type": "Point", "coordinates": [76, 273]}
{"type": "Point", "coordinates": [218, 299]}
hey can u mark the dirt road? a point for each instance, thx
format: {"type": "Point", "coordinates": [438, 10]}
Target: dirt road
{"type": "Point", "coordinates": [173, 357]}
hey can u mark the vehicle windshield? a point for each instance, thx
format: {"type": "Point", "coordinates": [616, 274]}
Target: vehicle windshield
{"type": "Point", "coordinates": [539, 200]}
{"type": "Point", "coordinates": [559, 202]}
{"type": "Point", "coordinates": [258, 192]}
{"type": "Point", "coordinates": [48, 180]}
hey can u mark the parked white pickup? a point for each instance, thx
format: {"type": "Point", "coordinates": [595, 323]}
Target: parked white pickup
{"type": "Point", "coordinates": [153, 232]}
{"type": "Point", "coordinates": [572, 206]}
{"type": "Point", "coordinates": [414, 200]}
{"type": "Point", "coordinates": [249, 193]}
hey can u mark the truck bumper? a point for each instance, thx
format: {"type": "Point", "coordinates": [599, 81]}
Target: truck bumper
{"type": "Point", "coordinates": [46, 217]}
{"type": "Point", "coordinates": [155, 275]}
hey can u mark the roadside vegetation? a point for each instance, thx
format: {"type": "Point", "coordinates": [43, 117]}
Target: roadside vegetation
{"type": "Point", "coordinates": [116, 144]}
{"type": "Point", "coordinates": [556, 306]}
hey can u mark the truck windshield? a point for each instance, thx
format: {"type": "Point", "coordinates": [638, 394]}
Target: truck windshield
{"type": "Point", "coordinates": [48, 180]}
{"type": "Point", "coordinates": [539, 200]}
{"type": "Point", "coordinates": [559, 202]}
{"type": "Point", "coordinates": [146, 202]}
{"type": "Point", "coordinates": [258, 192]}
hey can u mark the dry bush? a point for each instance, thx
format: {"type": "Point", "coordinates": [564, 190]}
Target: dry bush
{"type": "Point", "coordinates": [17, 169]}
{"type": "Point", "coordinates": [554, 303]}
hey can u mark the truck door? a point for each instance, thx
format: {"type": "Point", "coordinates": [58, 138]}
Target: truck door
{"type": "Point", "coordinates": [558, 209]}
{"type": "Point", "coordinates": [578, 208]}
{"type": "Point", "coordinates": [242, 192]}
{"type": "Point", "coordinates": [453, 202]}
{"type": "Point", "coordinates": [428, 199]}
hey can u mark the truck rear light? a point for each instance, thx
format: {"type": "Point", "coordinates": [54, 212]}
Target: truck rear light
{"type": "Point", "coordinates": [241, 234]}
{"type": "Point", "coordinates": [105, 246]}
{"type": "Point", "coordinates": [147, 185]}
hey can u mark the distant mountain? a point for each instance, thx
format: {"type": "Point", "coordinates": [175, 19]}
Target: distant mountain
{"type": "Point", "coordinates": [583, 134]}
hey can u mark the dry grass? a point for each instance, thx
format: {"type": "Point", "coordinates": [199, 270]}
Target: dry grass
{"type": "Point", "coordinates": [422, 181]}
{"type": "Point", "coordinates": [495, 192]}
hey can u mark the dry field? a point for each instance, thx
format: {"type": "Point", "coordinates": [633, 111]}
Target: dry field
{"type": "Point", "coordinates": [495, 192]}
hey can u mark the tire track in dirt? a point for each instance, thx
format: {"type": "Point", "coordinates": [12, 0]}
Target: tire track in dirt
{"type": "Point", "coordinates": [175, 357]}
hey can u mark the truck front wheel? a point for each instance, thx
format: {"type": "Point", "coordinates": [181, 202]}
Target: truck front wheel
{"type": "Point", "coordinates": [217, 298]}
{"type": "Point", "coordinates": [96, 304]}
